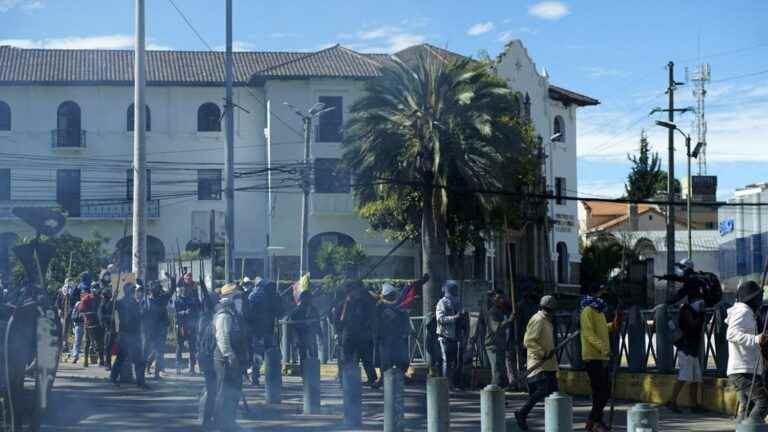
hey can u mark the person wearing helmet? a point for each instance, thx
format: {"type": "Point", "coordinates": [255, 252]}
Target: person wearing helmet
{"type": "Point", "coordinates": [539, 341]}
{"type": "Point", "coordinates": [448, 312]}
{"type": "Point", "coordinates": [745, 362]}
{"type": "Point", "coordinates": [692, 288]}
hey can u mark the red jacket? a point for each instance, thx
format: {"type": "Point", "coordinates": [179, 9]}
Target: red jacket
{"type": "Point", "coordinates": [87, 307]}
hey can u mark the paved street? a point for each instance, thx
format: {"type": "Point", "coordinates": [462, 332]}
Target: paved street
{"type": "Point", "coordinates": [86, 402]}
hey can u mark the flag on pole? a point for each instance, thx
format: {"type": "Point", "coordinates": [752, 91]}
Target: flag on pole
{"type": "Point", "coordinates": [407, 296]}
{"type": "Point", "coordinates": [299, 287]}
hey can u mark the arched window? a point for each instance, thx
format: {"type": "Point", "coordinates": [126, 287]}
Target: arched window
{"type": "Point", "coordinates": [562, 263]}
{"type": "Point", "coordinates": [147, 119]}
{"type": "Point", "coordinates": [68, 125]}
{"type": "Point", "coordinates": [559, 128]}
{"type": "Point", "coordinates": [209, 118]}
{"type": "Point", "coordinates": [5, 116]}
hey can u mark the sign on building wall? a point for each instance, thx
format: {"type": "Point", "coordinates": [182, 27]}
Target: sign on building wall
{"type": "Point", "coordinates": [726, 226]}
{"type": "Point", "coordinates": [565, 223]}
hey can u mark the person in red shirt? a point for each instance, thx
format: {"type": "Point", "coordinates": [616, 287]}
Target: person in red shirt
{"type": "Point", "coordinates": [94, 333]}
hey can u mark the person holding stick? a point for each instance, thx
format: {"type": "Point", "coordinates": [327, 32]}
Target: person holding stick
{"type": "Point", "coordinates": [745, 362]}
{"type": "Point", "coordinates": [596, 352]}
{"type": "Point", "coordinates": [539, 341]}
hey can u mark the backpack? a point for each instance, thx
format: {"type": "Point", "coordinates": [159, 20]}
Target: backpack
{"type": "Point", "coordinates": [711, 290]}
{"type": "Point", "coordinates": [206, 343]}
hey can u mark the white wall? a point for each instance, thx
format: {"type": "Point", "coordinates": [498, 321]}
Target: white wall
{"type": "Point", "coordinates": [516, 66]}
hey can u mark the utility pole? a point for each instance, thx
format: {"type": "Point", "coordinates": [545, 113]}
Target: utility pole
{"type": "Point", "coordinates": [671, 178]}
{"type": "Point", "coordinates": [306, 186]}
{"type": "Point", "coordinates": [306, 181]}
{"type": "Point", "coordinates": [138, 232]}
{"type": "Point", "coordinates": [229, 166]}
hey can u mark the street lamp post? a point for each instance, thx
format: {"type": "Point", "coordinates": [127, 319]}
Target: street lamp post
{"type": "Point", "coordinates": [690, 154]}
{"type": "Point", "coordinates": [306, 118]}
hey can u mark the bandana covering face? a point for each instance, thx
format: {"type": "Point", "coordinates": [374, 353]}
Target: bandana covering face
{"type": "Point", "coordinates": [595, 302]}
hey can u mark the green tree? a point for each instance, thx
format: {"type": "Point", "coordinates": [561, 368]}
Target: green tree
{"type": "Point", "coordinates": [661, 186]}
{"type": "Point", "coordinates": [643, 179]}
{"type": "Point", "coordinates": [339, 262]}
{"type": "Point", "coordinates": [74, 255]}
{"type": "Point", "coordinates": [427, 129]}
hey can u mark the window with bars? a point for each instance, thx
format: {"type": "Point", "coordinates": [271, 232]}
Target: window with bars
{"type": "Point", "coordinates": [147, 118]}
{"type": "Point", "coordinates": [209, 118]}
{"type": "Point", "coordinates": [209, 184]}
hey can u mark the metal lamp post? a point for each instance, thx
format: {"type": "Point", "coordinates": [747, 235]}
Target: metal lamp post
{"type": "Point", "coordinates": [690, 154]}
{"type": "Point", "coordinates": [306, 118]}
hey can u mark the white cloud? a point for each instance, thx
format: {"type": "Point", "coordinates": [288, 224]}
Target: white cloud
{"type": "Point", "coordinates": [382, 39]}
{"type": "Point", "coordinates": [116, 41]}
{"type": "Point", "coordinates": [549, 10]}
{"type": "Point", "coordinates": [602, 72]}
{"type": "Point", "coordinates": [480, 28]}
{"type": "Point", "coordinates": [24, 5]}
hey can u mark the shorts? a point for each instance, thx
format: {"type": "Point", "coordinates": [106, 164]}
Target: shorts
{"type": "Point", "coordinates": [690, 368]}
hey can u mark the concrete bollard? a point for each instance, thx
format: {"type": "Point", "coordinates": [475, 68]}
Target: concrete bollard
{"type": "Point", "coordinates": [311, 376]}
{"type": "Point", "coordinates": [636, 339]}
{"type": "Point", "coordinates": [394, 406]}
{"type": "Point", "coordinates": [643, 417]}
{"type": "Point", "coordinates": [492, 409]}
{"type": "Point", "coordinates": [438, 405]}
{"type": "Point", "coordinates": [665, 354]}
{"type": "Point", "coordinates": [558, 413]}
{"type": "Point", "coordinates": [749, 426]}
{"type": "Point", "coordinates": [273, 381]}
{"type": "Point", "coordinates": [353, 395]}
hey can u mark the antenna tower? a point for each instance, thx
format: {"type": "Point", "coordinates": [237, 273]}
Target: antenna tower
{"type": "Point", "coordinates": [700, 78]}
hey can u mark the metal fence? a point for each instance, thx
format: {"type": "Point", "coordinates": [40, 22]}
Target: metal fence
{"type": "Point", "coordinates": [643, 342]}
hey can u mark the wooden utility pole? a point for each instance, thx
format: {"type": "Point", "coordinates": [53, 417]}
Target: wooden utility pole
{"type": "Point", "coordinates": [139, 234]}
{"type": "Point", "coordinates": [229, 154]}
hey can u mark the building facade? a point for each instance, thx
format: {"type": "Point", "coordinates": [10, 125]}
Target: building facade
{"type": "Point", "coordinates": [66, 137]}
{"type": "Point", "coordinates": [744, 235]}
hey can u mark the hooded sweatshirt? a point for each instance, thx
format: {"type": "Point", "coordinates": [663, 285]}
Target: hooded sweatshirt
{"type": "Point", "coordinates": [447, 312]}
{"type": "Point", "coordinates": [743, 350]}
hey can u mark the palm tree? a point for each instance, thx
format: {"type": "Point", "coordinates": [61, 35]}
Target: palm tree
{"type": "Point", "coordinates": [434, 127]}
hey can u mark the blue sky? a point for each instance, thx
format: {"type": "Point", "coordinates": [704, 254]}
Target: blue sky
{"type": "Point", "coordinates": [614, 51]}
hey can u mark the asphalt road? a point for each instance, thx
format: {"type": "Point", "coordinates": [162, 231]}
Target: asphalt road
{"type": "Point", "coordinates": [84, 401]}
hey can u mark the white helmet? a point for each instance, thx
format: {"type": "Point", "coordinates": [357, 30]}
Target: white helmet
{"type": "Point", "coordinates": [686, 263]}
{"type": "Point", "coordinates": [387, 289]}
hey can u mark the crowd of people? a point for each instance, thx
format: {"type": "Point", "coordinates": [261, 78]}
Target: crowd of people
{"type": "Point", "coordinates": [227, 331]}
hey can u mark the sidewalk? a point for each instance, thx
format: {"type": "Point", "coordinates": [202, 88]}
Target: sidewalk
{"type": "Point", "coordinates": [84, 401]}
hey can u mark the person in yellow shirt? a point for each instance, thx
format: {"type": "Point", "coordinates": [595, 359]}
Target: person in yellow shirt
{"type": "Point", "coordinates": [539, 341]}
{"type": "Point", "coordinates": [596, 353]}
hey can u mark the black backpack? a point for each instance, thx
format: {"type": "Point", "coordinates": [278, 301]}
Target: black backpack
{"type": "Point", "coordinates": [206, 343]}
{"type": "Point", "coordinates": [711, 290]}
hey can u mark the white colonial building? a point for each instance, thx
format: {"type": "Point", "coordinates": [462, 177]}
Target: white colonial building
{"type": "Point", "coordinates": [66, 137]}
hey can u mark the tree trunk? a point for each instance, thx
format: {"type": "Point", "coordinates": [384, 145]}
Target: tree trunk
{"type": "Point", "coordinates": [433, 240]}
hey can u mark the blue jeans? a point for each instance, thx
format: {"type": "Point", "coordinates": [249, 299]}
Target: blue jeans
{"type": "Point", "coordinates": [78, 331]}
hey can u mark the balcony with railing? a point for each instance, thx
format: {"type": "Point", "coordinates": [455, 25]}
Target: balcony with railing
{"type": "Point", "coordinates": [68, 138]}
{"type": "Point", "coordinates": [89, 209]}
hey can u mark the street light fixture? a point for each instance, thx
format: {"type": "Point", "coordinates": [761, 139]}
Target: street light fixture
{"type": "Point", "coordinates": [315, 111]}
{"type": "Point", "coordinates": [690, 154]}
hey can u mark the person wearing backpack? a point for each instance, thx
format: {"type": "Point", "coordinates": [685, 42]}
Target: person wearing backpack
{"type": "Point", "coordinates": [264, 307]}
{"type": "Point", "coordinates": [693, 287]}
{"type": "Point", "coordinates": [128, 323]}
{"type": "Point", "coordinates": [206, 347]}
{"type": "Point", "coordinates": [495, 319]}
{"type": "Point", "coordinates": [94, 333]}
{"type": "Point", "coordinates": [357, 325]}
{"type": "Point", "coordinates": [393, 330]}
{"type": "Point", "coordinates": [691, 324]}
{"type": "Point", "coordinates": [187, 307]}
{"type": "Point", "coordinates": [230, 356]}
